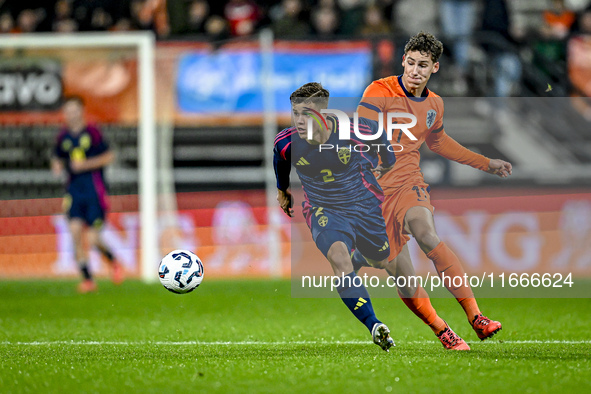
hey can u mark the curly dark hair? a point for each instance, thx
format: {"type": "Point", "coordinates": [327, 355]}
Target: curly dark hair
{"type": "Point", "coordinates": [310, 92]}
{"type": "Point", "coordinates": [426, 43]}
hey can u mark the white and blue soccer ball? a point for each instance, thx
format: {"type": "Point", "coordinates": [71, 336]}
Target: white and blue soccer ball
{"type": "Point", "coordinates": [180, 271]}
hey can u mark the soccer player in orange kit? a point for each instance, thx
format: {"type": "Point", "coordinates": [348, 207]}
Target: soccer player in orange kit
{"type": "Point", "coordinates": [407, 207]}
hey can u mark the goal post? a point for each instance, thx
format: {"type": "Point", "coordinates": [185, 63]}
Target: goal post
{"type": "Point", "coordinates": [144, 44]}
{"type": "Point", "coordinates": [269, 132]}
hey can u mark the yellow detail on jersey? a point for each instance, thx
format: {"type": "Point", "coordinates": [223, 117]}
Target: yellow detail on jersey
{"type": "Point", "coordinates": [323, 221]}
{"type": "Point", "coordinates": [328, 177]}
{"type": "Point", "coordinates": [344, 155]}
{"type": "Point", "coordinates": [384, 247]}
{"type": "Point", "coordinates": [66, 203]}
{"type": "Point", "coordinates": [360, 303]}
{"type": "Point", "coordinates": [66, 145]}
{"type": "Point", "coordinates": [318, 211]}
{"type": "Point", "coordinates": [77, 154]}
{"type": "Point", "coordinates": [85, 141]}
{"type": "Point", "coordinates": [302, 162]}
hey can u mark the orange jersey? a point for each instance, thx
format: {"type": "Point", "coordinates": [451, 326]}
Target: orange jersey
{"type": "Point", "coordinates": [388, 95]}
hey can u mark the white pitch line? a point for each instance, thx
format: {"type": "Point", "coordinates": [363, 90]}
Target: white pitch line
{"type": "Point", "coordinates": [274, 343]}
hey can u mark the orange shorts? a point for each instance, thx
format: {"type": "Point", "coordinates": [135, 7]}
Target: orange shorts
{"type": "Point", "coordinates": [394, 209]}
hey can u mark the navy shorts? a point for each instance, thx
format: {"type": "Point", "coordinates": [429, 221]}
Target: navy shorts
{"type": "Point", "coordinates": [360, 228]}
{"type": "Point", "coordinates": [85, 207]}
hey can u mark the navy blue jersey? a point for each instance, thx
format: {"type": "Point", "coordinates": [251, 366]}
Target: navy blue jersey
{"type": "Point", "coordinates": [86, 144]}
{"type": "Point", "coordinates": [335, 177]}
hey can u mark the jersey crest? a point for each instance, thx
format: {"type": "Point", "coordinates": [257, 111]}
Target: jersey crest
{"type": "Point", "coordinates": [66, 145]}
{"type": "Point", "coordinates": [431, 115]}
{"type": "Point", "coordinates": [85, 141]}
{"type": "Point", "coordinates": [344, 155]}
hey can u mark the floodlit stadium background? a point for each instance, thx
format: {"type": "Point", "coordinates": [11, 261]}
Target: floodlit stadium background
{"type": "Point", "coordinates": [218, 100]}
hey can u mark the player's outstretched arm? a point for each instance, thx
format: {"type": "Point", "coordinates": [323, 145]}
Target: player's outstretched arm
{"type": "Point", "coordinates": [500, 168]}
{"type": "Point", "coordinates": [57, 167]}
{"type": "Point", "coordinates": [445, 146]}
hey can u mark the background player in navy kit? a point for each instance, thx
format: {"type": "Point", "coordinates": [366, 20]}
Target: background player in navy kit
{"type": "Point", "coordinates": [343, 199]}
{"type": "Point", "coordinates": [81, 150]}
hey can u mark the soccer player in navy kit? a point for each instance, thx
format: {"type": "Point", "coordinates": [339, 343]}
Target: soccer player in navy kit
{"type": "Point", "coordinates": [343, 199]}
{"type": "Point", "coordinates": [81, 150]}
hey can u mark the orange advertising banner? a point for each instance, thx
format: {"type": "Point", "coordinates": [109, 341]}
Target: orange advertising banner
{"type": "Point", "coordinates": [230, 235]}
{"type": "Point", "coordinates": [510, 231]}
{"type": "Point", "coordinates": [490, 231]}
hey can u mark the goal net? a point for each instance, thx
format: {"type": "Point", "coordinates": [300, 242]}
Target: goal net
{"type": "Point", "coordinates": [114, 75]}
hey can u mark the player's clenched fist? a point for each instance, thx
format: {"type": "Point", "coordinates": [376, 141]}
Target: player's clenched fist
{"type": "Point", "coordinates": [500, 168]}
{"type": "Point", "coordinates": [285, 201]}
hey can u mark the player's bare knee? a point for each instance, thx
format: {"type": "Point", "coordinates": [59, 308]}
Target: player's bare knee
{"type": "Point", "coordinates": [93, 239]}
{"type": "Point", "coordinates": [381, 264]}
{"type": "Point", "coordinates": [340, 259]}
{"type": "Point", "coordinates": [429, 241]}
{"type": "Point", "coordinates": [406, 287]}
{"type": "Point", "coordinates": [426, 237]}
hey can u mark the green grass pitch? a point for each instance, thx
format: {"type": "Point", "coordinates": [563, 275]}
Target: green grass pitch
{"type": "Point", "coordinates": [251, 336]}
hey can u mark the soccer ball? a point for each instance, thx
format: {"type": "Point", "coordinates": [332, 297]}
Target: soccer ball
{"type": "Point", "coordinates": [180, 271]}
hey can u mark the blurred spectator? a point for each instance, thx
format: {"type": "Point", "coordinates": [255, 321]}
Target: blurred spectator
{"type": "Point", "coordinates": [501, 47]}
{"type": "Point", "coordinates": [577, 5]}
{"type": "Point", "coordinates": [579, 58]}
{"type": "Point", "coordinates": [100, 20]}
{"type": "Point", "coordinates": [153, 13]}
{"type": "Point", "coordinates": [242, 16]}
{"type": "Point", "coordinates": [352, 16]}
{"type": "Point", "coordinates": [557, 21]}
{"type": "Point", "coordinates": [374, 23]}
{"type": "Point", "coordinates": [412, 16]}
{"type": "Point", "coordinates": [65, 26]}
{"type": "Point", "coordinates": [31, 15]}
{"type": "Point", "coordinates": [6, 23]}
{"type": "Point", "coordinates": [580, 19]}
{"type": "Point", "coordinates": [145, 15]}
{"type": "Point", "coordinates": [91, 15]}
{"type": "Point", "coordinates": [136, 22]}
{"type": "Point", "coordinates": [123, 24]}
{"type": "Point", "coordinates": [457, 22]}
{"type": "Point", "coordinates": [63, 21]}
{"type": "Point", "coordinates": [216, 28]}
{"type": "Point", "coordinates": [550, 50]}
{"type": "Point", "coordinates": [585, 22]}
{"type": "Point", "coordinates": [63, 10]}
{"type": "Point", "coordinates": [198, 13]}
{"type": "Point", "coordinates": [325, 22]}
{"type": "Point", "coordinates": [289, 21]}
{"type": "Point", "coordinates": [27, 21]}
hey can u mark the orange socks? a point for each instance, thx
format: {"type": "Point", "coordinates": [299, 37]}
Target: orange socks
{"type": "Point", "coordinates": [421, 306]}
{"type": "Point", "coordinates": [470, 307]}
{"type": "Point", "coordinates": [448, 267]}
